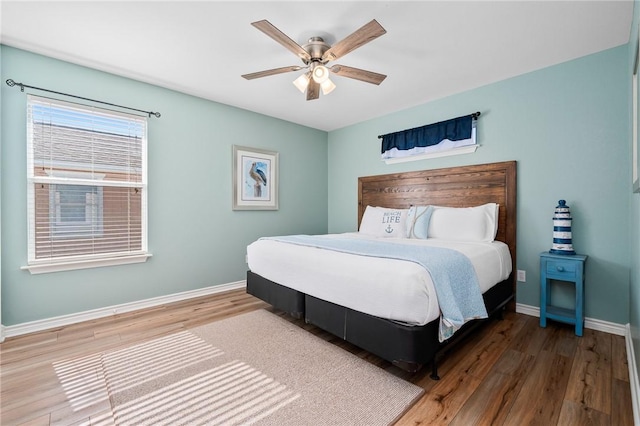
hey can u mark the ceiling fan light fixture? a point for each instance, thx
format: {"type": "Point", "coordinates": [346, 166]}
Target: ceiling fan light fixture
{"type": "Point", "coordinates": [320, 74]}
{"type": "Point", "coordinates": [316, 54]}
{"type": "Point", "coordinates": [302, 82]}
{"type": "Point", "coordinates": [327, 86]}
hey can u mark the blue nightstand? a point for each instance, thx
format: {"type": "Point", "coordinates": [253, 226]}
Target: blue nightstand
{"type": "Point", "coordinates": [568, 268]}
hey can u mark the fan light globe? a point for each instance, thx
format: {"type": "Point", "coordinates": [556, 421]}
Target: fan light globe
{"type": "Point", "coordinates": [320, 74]}
{"type": "Point", "coordinates": [302, 82]}
{"type": "Point", "coordinates": [327, 86]}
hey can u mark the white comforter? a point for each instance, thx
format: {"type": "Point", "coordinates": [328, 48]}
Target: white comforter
{"type": "Point", "coordinates": [397, 290]}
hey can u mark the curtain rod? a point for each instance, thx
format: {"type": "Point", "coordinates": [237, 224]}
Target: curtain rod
{"type": "Point", "coordinates": [474, 116]}
{"type": "Point", "coordinates": [12, 83]}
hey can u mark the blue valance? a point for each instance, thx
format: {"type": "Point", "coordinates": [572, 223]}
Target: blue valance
{"type": "Point", "coordinates": [432, 134]}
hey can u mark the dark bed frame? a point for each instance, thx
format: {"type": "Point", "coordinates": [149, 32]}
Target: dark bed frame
{"type": "Point", "coordinates": [410, 347]}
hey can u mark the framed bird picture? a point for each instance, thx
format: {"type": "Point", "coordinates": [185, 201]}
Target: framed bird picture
{"type": "Point", "coordinates": [255, 179]}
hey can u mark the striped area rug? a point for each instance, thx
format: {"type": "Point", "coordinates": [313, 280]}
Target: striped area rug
{"type": "Point", "coordinates": [255, 368]}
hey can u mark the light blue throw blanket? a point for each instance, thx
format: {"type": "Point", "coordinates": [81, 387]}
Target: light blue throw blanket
{"type": "Point", "coordinates": [452, 273]}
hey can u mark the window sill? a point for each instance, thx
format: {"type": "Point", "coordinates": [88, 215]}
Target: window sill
{"type": "Point", "coordinates": [71, 265]}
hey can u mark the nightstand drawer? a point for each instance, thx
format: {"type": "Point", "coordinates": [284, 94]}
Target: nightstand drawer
{"type": "Point", "coordinates": [561, 270]}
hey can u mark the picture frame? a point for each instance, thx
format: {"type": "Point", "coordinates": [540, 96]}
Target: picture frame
{"type": "Point", "coordinates": [255, 179]}
{"type": "Point", "coordinates": [635, 179]}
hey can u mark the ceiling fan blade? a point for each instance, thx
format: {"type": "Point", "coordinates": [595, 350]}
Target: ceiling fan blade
{"type": "Point", "coordinates": [273, 71]}
{"type": "Point", "coordinates": [365, 34]}
{"type": "Point", "coordinates": [269, 29]}
{"type": "Point", "coordinates": [313, 90]}
{"type": "Point", "coordinates": [358, 74]}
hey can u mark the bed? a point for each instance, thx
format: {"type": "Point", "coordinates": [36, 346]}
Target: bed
{"type": "Point", "coordinates": [407, 336]}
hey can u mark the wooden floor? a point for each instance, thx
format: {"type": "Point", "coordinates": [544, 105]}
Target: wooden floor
{"type": "Point", "coordinates": [512, 372]}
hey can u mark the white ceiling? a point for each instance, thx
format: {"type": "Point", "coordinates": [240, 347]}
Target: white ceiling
{"type": "Point", "coordinates": [432, 49]}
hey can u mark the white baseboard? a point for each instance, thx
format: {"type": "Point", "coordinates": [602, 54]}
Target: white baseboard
{"type": "Point", "coordinates": [45, 324]}
{"type": "Point", "coordinates": [633, 376]}
{"type": "Point", "coordinates": [592, 323]}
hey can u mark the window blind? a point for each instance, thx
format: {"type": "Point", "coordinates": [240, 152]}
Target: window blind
{"type": "Point", "coordinates": [87, 182]}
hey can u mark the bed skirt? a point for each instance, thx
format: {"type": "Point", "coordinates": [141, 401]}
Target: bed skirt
{"type": "Point", "coordinates": [408, 347]}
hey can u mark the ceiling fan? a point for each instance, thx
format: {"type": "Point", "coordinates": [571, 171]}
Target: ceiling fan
{"type": "Point", "coordinates": [316, 54]}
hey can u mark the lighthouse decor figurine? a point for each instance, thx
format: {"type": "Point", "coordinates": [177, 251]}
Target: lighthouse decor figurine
{"type": "Point", "coordinates": [562, 230]}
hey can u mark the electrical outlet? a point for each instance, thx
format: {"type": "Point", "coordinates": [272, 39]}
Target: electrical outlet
{"type": "Point", "coordinates": [522, 276]}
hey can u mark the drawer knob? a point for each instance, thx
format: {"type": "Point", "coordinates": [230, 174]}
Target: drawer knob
{"type": "Point", "coordinates": [560, 268]}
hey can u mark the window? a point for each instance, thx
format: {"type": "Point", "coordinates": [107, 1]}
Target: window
{"type": "Point", "coordinates": [87, 186]}
{"type": "Point", "coordinates": [77, 210]}
{"type": "Point", "coordinates": [450, 137]}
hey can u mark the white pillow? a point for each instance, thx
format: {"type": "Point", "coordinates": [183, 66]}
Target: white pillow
{"type": "Point", "coordinates": [384, 222]}
{"type": "Point", "coordinates": [464, 223]}
{"type": "Point", "coordinates": [418, 221]}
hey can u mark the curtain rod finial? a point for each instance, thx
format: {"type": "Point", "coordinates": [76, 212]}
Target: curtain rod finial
{"type": "Point", "coordinates": [12, 83]}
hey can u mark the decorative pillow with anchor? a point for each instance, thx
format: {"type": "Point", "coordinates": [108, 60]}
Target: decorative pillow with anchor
{"type": "Point", "coordinates": [384, 222]}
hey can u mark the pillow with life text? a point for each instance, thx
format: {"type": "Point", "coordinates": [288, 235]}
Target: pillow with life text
{"type": "Point", "coordinates": [384, 222]}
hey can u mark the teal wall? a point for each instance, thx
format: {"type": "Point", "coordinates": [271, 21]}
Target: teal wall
{"type": "Point", "coordinates": [568, 128]}
{"type": "Point", "coordinates": [195, 238]}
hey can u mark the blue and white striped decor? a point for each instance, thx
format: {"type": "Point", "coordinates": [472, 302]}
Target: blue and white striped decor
{"type": "Point", "coordinates": [562, 230]}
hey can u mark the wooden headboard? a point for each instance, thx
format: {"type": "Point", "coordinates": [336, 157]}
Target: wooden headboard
{"type": "Point", "coordinates": [464, 186]}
